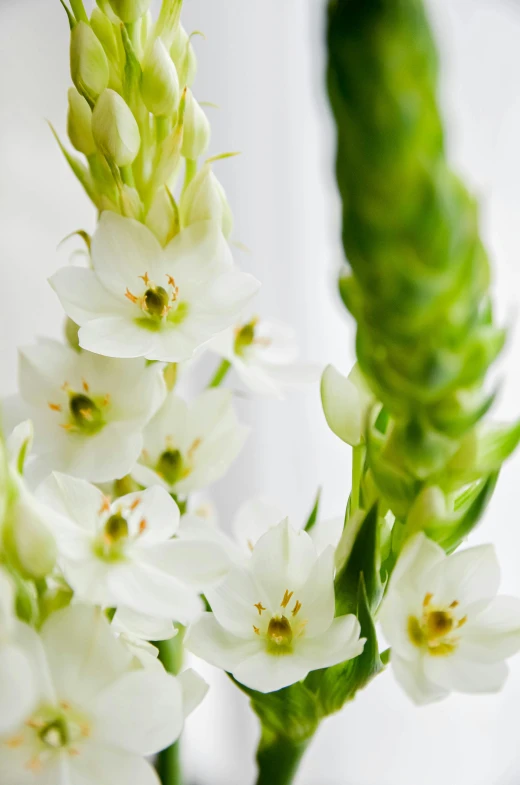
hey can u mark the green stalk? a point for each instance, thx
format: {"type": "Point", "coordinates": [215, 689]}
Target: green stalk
{"type": "Point", "coordinates": [278, 762]}
{"type": "Point", "coordinates": [78, 10]}
{"type": "Point", "coordinates": [358, 460]}
{"type": "Point", "coordinates": [220, 373]}
{"type": "Point", "coordinates": [169, 767]}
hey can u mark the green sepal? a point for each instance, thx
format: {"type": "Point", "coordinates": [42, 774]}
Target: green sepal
{"type": "Point", "coordinates": [132, 73]}
{"type": "Point", "coordinates": [466, 520]}
{"type": "Point", "coordinates": [291, 713]}
{"type": "Point", "coordinates": [70, 17]}
{"type": "Point", "coordinates": [81, 172]}
{"type": "Point", "coordinates": [336, 685]}
{"type": "Point", "coordinates": [363, 560]}
{"type": "Point", "coordinates": [482, 452]}
{"type": "Point", "coordinates": [313, 517]}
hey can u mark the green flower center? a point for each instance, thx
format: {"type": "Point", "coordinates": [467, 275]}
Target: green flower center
{"type": "Point", "coordinates": [170, 466]}
{"type": "Point", "coordinates": [279, 634]}
{"type": "Point", "coordinates": [436, 630]}
{"type": "Point", "coordinates": [156, 301]}
{"type": "Point", "coordinates": [86, 415]}
{"type": "Point", "coordinates": [55, 734]}
{"type": "Point", "coordinates": [245, 337]}
{"type": "Point", "coordinates": [116, 528]}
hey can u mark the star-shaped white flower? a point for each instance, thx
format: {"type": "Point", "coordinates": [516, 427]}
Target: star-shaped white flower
{"type": "Point", "coordinates": [447, 628]}
{"type": "Point", "coordinates": [187, 447]}
{"type": "Point", "coordinates": [93, 717]}
{"type": "Point", "coordinates": [88, 411]}
{"type": "Point", "coordinates": [142, 300]}
{"type": "Point", "coordinates": [122, 554]}
{"type": "Point", "coordinates": [273, 618]}
{"type": "Point", "coordinates": [264, 355]}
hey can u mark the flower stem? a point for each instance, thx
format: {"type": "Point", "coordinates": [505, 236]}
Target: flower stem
{"type": "Point", "coordinates": [168, 763]}
{"type": "Point", "coordinates": [220, 373]}
{"type": "Point", "coordinates": [278, 762]}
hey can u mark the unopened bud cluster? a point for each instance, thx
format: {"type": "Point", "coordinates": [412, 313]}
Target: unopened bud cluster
{"type": "Point", "coordinates": [134, 117]}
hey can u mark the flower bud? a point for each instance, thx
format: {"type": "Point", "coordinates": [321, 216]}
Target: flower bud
{"type": "Point", "coordinates": [183, 55]}
{"type": "Point", "coordinates": [163, 216]}
{"type": "Point", "coordinates": [205, 199]}
{"type": "Point", "coordinates": [197, 130]}
{"type": "Point", "coordinates": [345, 403]}
{"type": "Point", "coordinates": [129, 10]}
{"type": "Point", "coordinates": [79, 123]}
{"type": "Point", "coordinates": [88, 62]}
{"type": "Point", "coordinates": [115, 129]}
{"type": "Point", "coordinates": [160, 83]}
{"type": "Point", "coordinates": [27, 539]}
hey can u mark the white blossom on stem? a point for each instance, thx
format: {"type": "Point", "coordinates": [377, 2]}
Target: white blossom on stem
{"type": "Point", "coordinates": [93, 717]}
{"type": "Point", "coordinates": [265, 356]}
{"type": "Point", "coordinates": [272, 619]}
{"type": "Point", "coordinates": [187, 447]}
{"type": "Point", "coordinates": [88, 411]}
{"type": "Point", "coordinates": [447, 628]}
{"type": "Point", "coordinates": [121, 554]}
{"type": "Point", "coordinates": [142, 300]}
{"type": "Point", "coordinates": [346, 402]}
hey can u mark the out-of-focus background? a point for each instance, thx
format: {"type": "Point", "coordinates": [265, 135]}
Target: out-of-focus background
{"type": "Point", "coordinates": [263, 64]}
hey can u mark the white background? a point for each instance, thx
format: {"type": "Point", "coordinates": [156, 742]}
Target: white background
{"type": "Point", "coordinates": [263, 64]}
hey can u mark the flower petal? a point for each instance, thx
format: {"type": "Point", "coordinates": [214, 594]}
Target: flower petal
{"type": "Point", "coordinates": [466, 576]}
{"type": "Point", "coordinates": [194, 690]}
{"type": "Point", "coordinates": [235, 602]}
{"type": "Point", "coordinates": [340, 642]}
{"type": "Point", "coordinates": [494, 634]}
{"type": "Point", "coordinates": [415, 681]}
{"type": "Point", "coordinates": [152, 515]}
{"type": "Point", "coordinates": [18, 692]}
{"type": "Point", "coordinates": [106, 456]}
{"type": "Point", "coordinates": [140, 712]}
{"type": "Point", "coordinates": [116, 336]}
{"type": "Point", "coordinates": [282, 560]}
{"type": "Point", "coordinates": [266, 672]}
{"type": "Point", "coordinates": [342, 406]}
{"type": "Point", "coordinates": [317, 595]}
{"type": "Point", "coordinates": [254, 518]}
{"type": "Point", "coordinates": [139, 625]}
{"type": "Point", "coordinates": [196, 563]}
{"type": "Point", "coordinates": [122, 250]}
{"type": "Point", "coordinates": [98, 764]}
{"type": "Point", "coordinates": [418, 557]}
{"type": "Point", "coordinates": [457, 673]}
{"type": "Point", "coordinates": [207, 639]}
{"type": "Point", "coordinates": [73, 499]}
{"type": "Point", "coordinates": [83, 298]}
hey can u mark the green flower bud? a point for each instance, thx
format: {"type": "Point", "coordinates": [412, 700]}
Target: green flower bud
{"type": "Point", "coordinates": [163, 216]}
{"type": "Point", "coordinates": [183, 55]}
{"type": "Point", "coordinates": [205, 199]}
{"type": "Point", "coordinates": [197, 130]}
{"type": "Point", "coordinates": [88, 62]}
{"type": "Point", "coordinates": [27, 540]}
{"type": "Point", "coordinates": [115, 129]}
{"type": "Point", "coordinates": [79, 123]}
{"type": "Point", "coordinates": [160, 83]}
{"type": "Point", "coordinates": [129, 10]}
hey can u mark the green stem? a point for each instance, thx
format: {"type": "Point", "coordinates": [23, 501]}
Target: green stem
{"type": "Point", "coordinates": [128, 176]}
{"type": "Point", "coordinates": [168, 764]}
{"type": "Point", "coordinates": [190, 172]}
{"type": "Point", "coordinates": [358, 460]}
{"type": "Point", "coordinates": [278, 762]}
{"type": "Point", "coordinates": [220, 373]}
{"type": "Point", "coordinates": [78, 9]}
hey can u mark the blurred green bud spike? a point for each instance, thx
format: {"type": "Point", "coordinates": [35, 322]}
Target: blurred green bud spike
{"type": "Point", "coordinates": [163, 216]}
{"type": "Point", "coordinates": [79, 123]}
{"type": "Point", "coordinates": [160, 84]}
{"type": "Point", "coordinates": [205, 199]}
{"type": "Point", "coordinates": [184, 57]}
{"type": "Point", "coordinates": [345, 401]}
{"type": "Point", "coordinates": [88, 62]}
{"type": "Point", "coordinates": [422, 450]}
{"type": "Point", "coordinates": [129, 10]}
{"type": "Point", "coordinates": [115, 129]}
{"type": "Point", "coordinates": [481, 452]}
{"type": "Point", "coordinates": [197, 131]}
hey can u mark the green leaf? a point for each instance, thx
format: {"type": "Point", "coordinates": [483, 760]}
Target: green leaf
{"type": "Point", "coordinates": [363, 560]}
{"type": "Point", "coordinates": [459, 529]}
{"type": "Point", "coordinates": [291, 713]}
{"type": "Point", "coordinates": [339, 684]}
{"type": "Point", "coordinates": [313, 517]}
{"type": "Point", "coordinates": [78, 168]}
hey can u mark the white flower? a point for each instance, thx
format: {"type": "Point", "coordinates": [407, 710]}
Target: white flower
{"type": "Point", "coordinates": [142, 300]}
{"type": "Point", "coordinates": [93, 718]}
{"type": "Point", "coordinates": [273, 619]}
{"type": "Point", "coordinates": [346, 401]}
{"type": "Point", "coordinates": [123, 555]}
{"type": "Point", "coordinates": [264, 355]}
{"type": "Point", "coordinates": [88, 411]}
{"type": "Point", "coordinates": [447, 628]}
{"type": "Point", "coordinates": [17, 688]}
{"type": "Point", "coordinates": [187, 447]}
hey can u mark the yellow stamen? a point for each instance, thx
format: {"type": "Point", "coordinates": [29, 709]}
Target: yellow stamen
{"type": "Point", "coordinates": [260, 608]}
{"type": "Point", "coordinates": [135, 503]}
{"type": "Point", "coordinates": [427, 599]}
{"type": "Point", "coordinates": [85, 386]}
{"type": "Point", "coordinates": [286, 598]}
{"type": "Point", "coordinates": [130, 296]}
{"type": "Point", "coordinates": [56, 407]}
{"type": "Point", "coordinates": [15, 742]}
{"type": "Point", "coordinates": [142, 525]}
{"type": "Point", "coordinates": [105, 505]}
{"type": "Point", "coordinates": [256, 629]}
{"type": "Point", "coordinates": [145, 279]}
{"type": "Point", "coordinates": [296, 608]}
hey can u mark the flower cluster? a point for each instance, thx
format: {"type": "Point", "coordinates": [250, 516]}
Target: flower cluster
{"type": "Point", "coordinates": [103, 550]}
